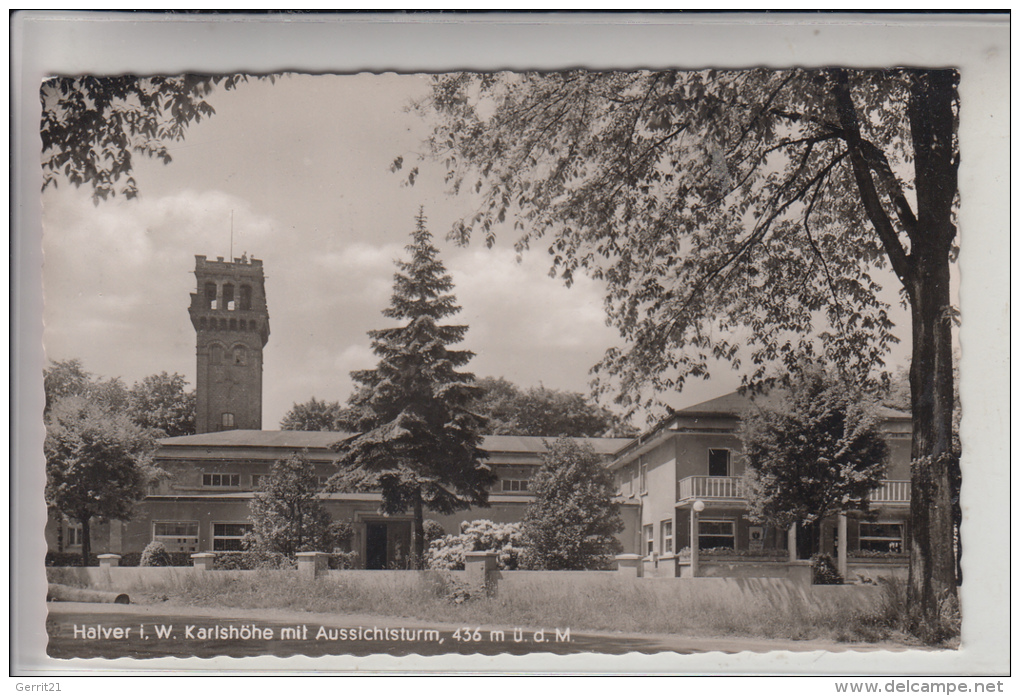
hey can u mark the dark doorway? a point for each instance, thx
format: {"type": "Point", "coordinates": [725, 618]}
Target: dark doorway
{"type": "Point", "coordinates": [375, 546]}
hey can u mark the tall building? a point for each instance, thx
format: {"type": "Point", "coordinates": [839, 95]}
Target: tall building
{"type": "Point", "coordinates": [231, 322]}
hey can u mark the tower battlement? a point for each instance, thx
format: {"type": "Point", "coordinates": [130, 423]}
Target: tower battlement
{"type": "Point", "coordinates": [231, 321]}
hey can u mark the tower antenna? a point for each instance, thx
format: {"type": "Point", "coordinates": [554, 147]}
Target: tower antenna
{"type": "Point", "coordinates": [231, 257]}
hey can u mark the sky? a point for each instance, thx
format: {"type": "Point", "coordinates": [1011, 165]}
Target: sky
{"type": "Point", "coordinates": [299, 170]}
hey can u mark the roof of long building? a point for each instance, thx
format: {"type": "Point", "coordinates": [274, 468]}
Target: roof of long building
{"type": "Point", "coordinates": [299, 439]}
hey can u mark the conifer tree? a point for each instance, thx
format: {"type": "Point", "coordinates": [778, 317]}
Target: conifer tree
{"type": "Point", "coordinates": [418, 442]}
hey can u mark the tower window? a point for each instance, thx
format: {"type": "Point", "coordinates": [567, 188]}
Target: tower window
{"type": "Point", "coordinates": [245, 297]}
{"type": "Point", "coordinates": [227, 420]}
{"type": "Point", "coordinates": [210, 295]}
{"type": "Point", "coordinates": [223, 324]}
{"type": "Point", "coordinates": [233, 324]}
{"type": "Point", "coordinates": [239, 356]}
{"type": "Point", "coordinates": [228, 296]}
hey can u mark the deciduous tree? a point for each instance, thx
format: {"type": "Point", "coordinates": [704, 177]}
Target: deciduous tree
{"type": "Point", "coordinates": [98, 463]}
{"type": "Point", "coordinates": [161, 403]}
{"type": "Point", "coordinates": [544, 412]}
{"type": "Point", "coordinates": [92, 126]}
{"type": "Point", "coordinates": [813, 452]}
{"type": "Point", "coordinates": [315, 415]}
{"type": "Point", "coordinates": [418, 441]}
{"type": "Point", "coordinates": [286, 513]}
{"type": "Point", "coordinates": [744, 216]}
{"type": "Point", "coordinates": [572, 522]}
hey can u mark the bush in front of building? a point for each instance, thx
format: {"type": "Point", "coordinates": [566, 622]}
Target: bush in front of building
{"type": "Point", "coordinates": [155, 554]}
{"type": "Point", "coordinates": [133, 559]}
{"type": "Point", "coordinates": [824, 570]}
{"type": "Point", "coordinates": [447, 552]}
{"type": "Point", "coordinates": [253, 560]}
{"type": "Point", "coordinates": [65, 559]}
{"type": "Point", "coordinates": [343, 560]}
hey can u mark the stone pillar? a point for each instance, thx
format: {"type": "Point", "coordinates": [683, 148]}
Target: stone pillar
{"type": "Point", "coordinates": [841, 545]}
{"type": "Point", "coordinates": [109, 560]}
{"type": "Point", "coordinates": [791, 543]}
{"type": "Point", "coordinates": [312, 564]}
{"type": "Point", "coordinates": [630, 564]}
{"type": "Point", "coordinates": [203, 561]}
{"type": "Point", "coordinates": [696, 508]}
{"type": "Point", "coordinates": [481, 570]}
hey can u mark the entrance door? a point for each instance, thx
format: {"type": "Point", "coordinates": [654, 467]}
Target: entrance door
{"type": "Point", "coordinates": [375, 546]}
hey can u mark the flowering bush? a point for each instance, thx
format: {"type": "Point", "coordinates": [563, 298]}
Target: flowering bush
{"type": "Point", "coordinates": [447, 552]}
{"type": "Point", "coordinates": [252, 560]}
{"type": "Point", "coordinates": [155, 554]}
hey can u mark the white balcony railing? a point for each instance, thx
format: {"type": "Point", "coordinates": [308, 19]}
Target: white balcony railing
{"type": "Point", "coordinates": [732, 488]}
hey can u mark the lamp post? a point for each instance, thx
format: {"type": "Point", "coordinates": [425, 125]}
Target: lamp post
{"type": "Point", "coordinates": [697, 507]}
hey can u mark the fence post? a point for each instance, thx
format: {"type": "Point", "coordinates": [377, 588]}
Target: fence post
{"type": "Point", "coordinates": [109, 560]}
{"type": "Point", "coordinates": [481, 570]}
{"type": "Point", "coordinates": [312, 564]}
{"type": "Point", "coordinates": [629, 564]}
{"type": "Point", "coordinates": [203, 561]}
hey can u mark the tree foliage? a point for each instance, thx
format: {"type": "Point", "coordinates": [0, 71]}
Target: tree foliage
{"type": "Point", "coordinates": [572, 522]}
{"type": "Point", "coordinates": [816, 451]}
{"type": "Point", "coordinates": [448, 552]}
{"type": "Point", "coordinates": [544, 412]}
{"type": "Point", "coordinates": [286, 513]}
{"type": "Point", "coordinates": [745, 216]}
{"type": "Point", "coordinates": [98, 463]}
{"type": "Point", "coordinates": [316, 415]}
{"type": "Point", "coordinates": [69, 378]}
{"type": "Point", "coordinates": [92, 126]}
{"type": "Point", "coordinates": [160, 402]}
{"type": "Point", "coordinates": [418, 442]}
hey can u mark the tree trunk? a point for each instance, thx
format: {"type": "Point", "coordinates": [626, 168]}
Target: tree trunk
{"type": "Point", "coordinates": [932, 560]}
{"type": "Point", "coordinates": [418, 534]}
{"type": "Point", "coordinates": [86, 541]}
{"type": "Point", "coordinates": [933, 461]}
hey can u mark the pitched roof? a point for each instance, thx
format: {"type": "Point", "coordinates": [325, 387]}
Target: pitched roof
{"type": "Point", "coordinates": [299, 439]}
{"type": "Point", "coordinates": [735, 403]}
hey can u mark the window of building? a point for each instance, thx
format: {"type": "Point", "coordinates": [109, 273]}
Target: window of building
{"type": "Point", "coordinates": [644, 478]}
{"type": "Point", "coordinates": [649, 539]}
{"type": "Point", "coordinates": [210, 295]}
{"type": "Point", "coordinates": [628, 475]}
{"type": "Point", "coordinates": [73, 534]}
{"type": "Point", "coordinates": [716, 534]}
{"type": "Point", "coordinates": [228, 297]}
{"type": "Point", "coordinates": [177, 537]}
{"type": "Point", "coordinates": [227, 420]}
{"type": "Point", "coordinates": [666, 529]}
{"type": "Point", "coordinates": [240, 355]}
{"type": "Point", "coordinates": [515, 485]}
{"type": "Point", "coordinates": [245, 297]}
{"type": "Point", "coordinates": [718, 462]}
{"type": "Point", "coordinates": [256, 480]}
{"type": "Point", "coordinates": [227, 536]}
{"type": "Point", "coordinates": [882, 536]}
{"type": "Point", "coordinates": [222, 480]}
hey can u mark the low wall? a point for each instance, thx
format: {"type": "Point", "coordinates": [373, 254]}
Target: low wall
{"type": "Point", "coordinates": [874, 568]}
{"type": "Point", "coordinates": [544, 580]}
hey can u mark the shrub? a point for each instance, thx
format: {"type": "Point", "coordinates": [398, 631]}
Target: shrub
{"type": "Point", "coordinates": [252, 560]}
{"type": "Point", "coordinates": [343, 560]}
{"type": "Point", "coordinates": [155, 554]}
{"type": "Point", "coordinates": [447, 552]}
{"type": "Point", "coordinates": [55, 559]}
{"type": "Point", "coordinates": [824, 571]}
{"type": "Point", "coordinates": [433, 531]}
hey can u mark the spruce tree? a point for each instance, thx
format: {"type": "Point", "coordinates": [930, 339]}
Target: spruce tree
{"type": "Point", "coordinates": [418, 443]}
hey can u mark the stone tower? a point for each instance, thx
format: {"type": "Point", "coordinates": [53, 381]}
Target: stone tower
{"type": "Point", "coordinates": [232, 322]}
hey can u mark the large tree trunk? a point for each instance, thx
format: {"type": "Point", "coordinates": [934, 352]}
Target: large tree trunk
{"type": "Point", "coordinates": [418, 534]}
{"type": "Point", "coordinates": [934, 465]}
{"type": "Point", "coordinates": [86, 541]}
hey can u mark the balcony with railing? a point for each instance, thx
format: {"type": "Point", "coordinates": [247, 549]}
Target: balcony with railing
{"type": "Point", "coordinates": [731, 488]}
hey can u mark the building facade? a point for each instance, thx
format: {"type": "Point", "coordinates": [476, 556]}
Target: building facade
{"type": "Point", "coordinates": [686, 477]}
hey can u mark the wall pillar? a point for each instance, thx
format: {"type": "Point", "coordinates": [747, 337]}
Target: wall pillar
{"type": "Point", "coordinates": [841, 544]}
{"type": "Point", "coordinates": [203, 561]}
{"type": "Point", "coordinates": [791, 543]}
{"type": "Point", "coordinates": [312, 564]}
{"type": "Point", "coordinates": [696, 508]}
{"type": "Point", "coordinates": [481, 570]}
{"type": "Point", "coordinates": [630, 564]}
{"type": "Point", "coordinates": [109, 560]}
